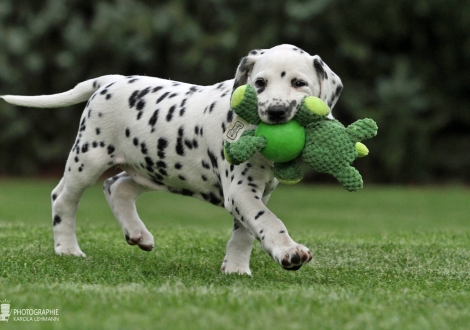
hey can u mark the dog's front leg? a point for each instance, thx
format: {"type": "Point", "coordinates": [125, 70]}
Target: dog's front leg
{"type": "Point", "coordinates": [244, 203]}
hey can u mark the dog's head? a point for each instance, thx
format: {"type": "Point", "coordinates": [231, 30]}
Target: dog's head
{"type": "Point", "coordinates": [282, 77]}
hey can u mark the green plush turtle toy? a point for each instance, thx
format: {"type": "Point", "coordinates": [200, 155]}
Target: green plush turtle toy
{"type": "Point", "coordinates": [324, 144]}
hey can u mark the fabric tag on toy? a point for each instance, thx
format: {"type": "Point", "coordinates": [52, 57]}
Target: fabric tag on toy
{"type": "Point", "coordinates": [235, 129]}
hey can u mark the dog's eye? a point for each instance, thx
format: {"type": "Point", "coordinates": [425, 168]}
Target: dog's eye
{"type": "Point", "coordinates": [260, 82]}
{"type": "Point", "coordinates": [299, 83]}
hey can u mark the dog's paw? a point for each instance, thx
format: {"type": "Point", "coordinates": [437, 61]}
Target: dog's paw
{"type": "Point", "coordinates": [64, 250]}
{"type": "Point", "coordinates": [143, 238]}
{"type": "Point", "coordinates": [293, 257]}
{"type": "Point", "coordinates": [234, 268]}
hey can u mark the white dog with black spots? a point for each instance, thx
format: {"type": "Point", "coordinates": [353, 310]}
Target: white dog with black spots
{"type": "Point", "coordinates": [168, 136]}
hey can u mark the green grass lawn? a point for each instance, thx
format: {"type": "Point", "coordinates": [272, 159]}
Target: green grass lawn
{"type": "Point", "coordinates": [384, 258]}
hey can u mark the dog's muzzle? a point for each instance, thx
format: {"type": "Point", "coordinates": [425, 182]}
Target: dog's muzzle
{"type": "Point", "coordinates": [277, 113]}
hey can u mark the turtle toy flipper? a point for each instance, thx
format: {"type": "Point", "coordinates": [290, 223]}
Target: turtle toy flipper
{"type": "Point", "coordinates": [244, 103]}
{"type": "Point", "coordinates": [350, 178]}
{"type": "Point", "coordinates": [362, 129]}
{"type": "Point", "coordinates": [244, 148]}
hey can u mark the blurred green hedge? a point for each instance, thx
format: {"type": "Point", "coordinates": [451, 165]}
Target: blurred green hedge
{"type": "Point", "coordinates": [403, 63]}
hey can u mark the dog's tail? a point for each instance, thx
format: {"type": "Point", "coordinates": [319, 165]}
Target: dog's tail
{"type": "Point", "coordinates": [80, 93]}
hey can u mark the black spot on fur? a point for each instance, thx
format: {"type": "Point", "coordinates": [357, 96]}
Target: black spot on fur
{"type": "Point", "coordinates": [143, 148]}
{"type": "Point", "coordinates": [156, 89]}
{"type": "Point", "coordinates": [85, 147]}
{"type": "Point", "coordinates": [212, 107]}
{"type": "Point", "coordinates": [178, 166]}
{"type": "Point", "coordinates": [140, 105]}
{"type": "Point", "coordinates": [161, 145]}
{"type": "Point", "coordinates": [229, 116]}
{"type": "Point", "coordinates": [161, 164]}
{"type": "Point", "coordinates": [205, 164]}
{"type": "Point", "coordinates": [135, 141]}
{"type": "Point", "coordinates": [133, 99]}
{"type": "Point", "coordinates": [283, 73]}
{"type": "Point", "coordinates": [153, 119]}
{"type": "Point", "coordinates": [192, 90]}
{"type": "Point", "coordinates": [260, 213]}
{"type": "Point", "coordinates": [338, 90]}
{"type": "Point", "coordinates": [128, 132]}
{"type": "Point", "coordinates": [186, 192]}
{"type": "Point", "coordinates": [110, 149]}
{"type": "Point", "coordinates": [82, 125]}
{"type": "Point", "coordinates": [57, 220]}
{"type": "Point", "coordinates": [136, 98]}
{"type": "Point", "coordinates": [213, 159]}
{"type": "Point", "coordinates": [179, 142]}
{"type": "Point", "coordinates": [318, 64]}
{"type": "Point", "coordinates": [149, 161]}
{"type": "Point", "coordinates": [211, 198]}
{"type": "Point", "coordinates": [169, 116]}
{"type": "Point", "coordinates": [54, 196]}
{"type": "Point", "coordinates": [161, 98]}
{"type": "Point", "coordinates": [188, 143]}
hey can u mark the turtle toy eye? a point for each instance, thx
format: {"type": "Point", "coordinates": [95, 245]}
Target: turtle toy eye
{"type": "Point", "coordinates": [300, 83]}
{"type": "Point", "coordinates": [260, 82]}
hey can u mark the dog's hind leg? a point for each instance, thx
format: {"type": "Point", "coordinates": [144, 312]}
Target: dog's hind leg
{"type": "Point", "coordinates": [82, 170]}
{"type": "Point", "coordinates": [237, 256]}
{"type": "Point", "coordinates": [121, 192]}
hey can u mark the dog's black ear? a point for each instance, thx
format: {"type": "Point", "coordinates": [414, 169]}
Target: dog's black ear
{"type": "Point", "coordinates": [330, 84]}
{"type": "Point", "coordinates": [245, 67]}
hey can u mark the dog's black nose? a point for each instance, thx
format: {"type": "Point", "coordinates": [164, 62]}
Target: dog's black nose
{"type": "Point", "coordinates": [277, 113]}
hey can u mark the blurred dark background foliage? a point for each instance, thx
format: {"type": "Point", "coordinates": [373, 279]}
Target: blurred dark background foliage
{"type": "Point", "coordinates": [404, 63]}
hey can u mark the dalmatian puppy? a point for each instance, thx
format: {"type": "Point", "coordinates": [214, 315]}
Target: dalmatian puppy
{"type": "Point", "coordinates": [167, 136]}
